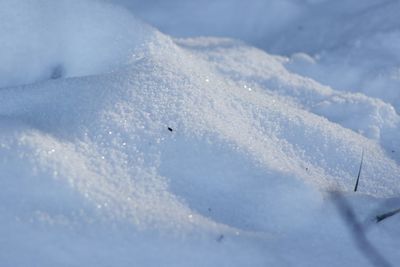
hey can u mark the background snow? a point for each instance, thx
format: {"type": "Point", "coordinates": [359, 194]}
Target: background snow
{"type": "Point", "coordinates": [92, 176]}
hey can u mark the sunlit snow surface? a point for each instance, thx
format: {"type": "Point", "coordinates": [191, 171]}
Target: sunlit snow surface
{"type": "Point", "coordinates": [178, 152]}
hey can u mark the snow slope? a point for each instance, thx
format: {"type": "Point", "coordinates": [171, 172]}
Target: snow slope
{"type": "Point", "coordinates": [177, 152]}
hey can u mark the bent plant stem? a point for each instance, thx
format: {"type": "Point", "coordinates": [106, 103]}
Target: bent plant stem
{"type": "Point", "coordinates": [386, 215]}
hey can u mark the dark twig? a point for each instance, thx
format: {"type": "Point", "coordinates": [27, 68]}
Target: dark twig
{"type": "Point", "coordinates": [359, 171]}
{"type": "Point", "coordinates": [386, 215]}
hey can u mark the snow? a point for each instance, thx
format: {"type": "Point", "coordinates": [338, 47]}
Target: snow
{"type": "Point", "coordinates": [44, 39]}
{"type": "Point", "coordinates": [121, 145]}
{"type": "Point", "coordinates": [354, 45]}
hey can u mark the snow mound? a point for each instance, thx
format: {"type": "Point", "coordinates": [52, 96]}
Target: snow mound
{"type": "Point", "coordinates": [44, 39]}
{"type": "Point", "coordinates": [200, 151]}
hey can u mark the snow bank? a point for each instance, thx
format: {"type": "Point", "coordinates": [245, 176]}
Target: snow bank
{"type": "Point", "coordinates": [200, 152]}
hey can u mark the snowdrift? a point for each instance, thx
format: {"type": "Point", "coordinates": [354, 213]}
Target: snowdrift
{"type": "Point", "coordinates": [123, 146]}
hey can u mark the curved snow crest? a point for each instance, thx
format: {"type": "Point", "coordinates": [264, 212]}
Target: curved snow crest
{"type": "Point", "coordinates": [45, 39]}
{"type": "Point", "coordinates": [360, 52]}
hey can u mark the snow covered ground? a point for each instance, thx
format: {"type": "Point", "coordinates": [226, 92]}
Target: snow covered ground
{"type": "Point", "coordinates": [124, 146]}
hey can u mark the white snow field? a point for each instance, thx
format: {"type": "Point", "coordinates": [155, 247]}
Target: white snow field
{"type": "Point", "coordinates": [124, 146]}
